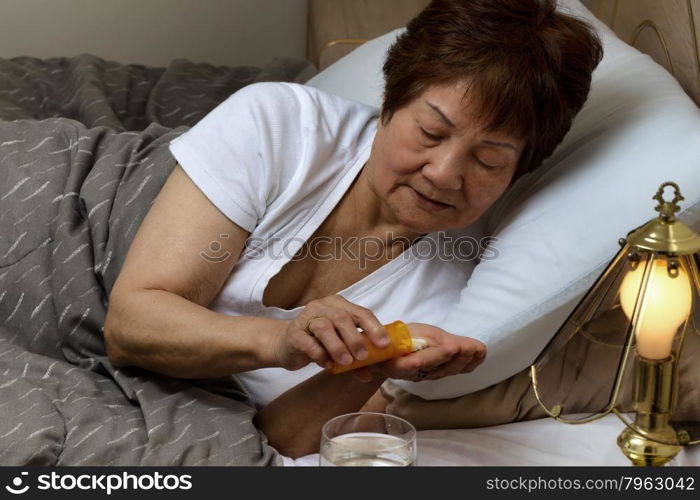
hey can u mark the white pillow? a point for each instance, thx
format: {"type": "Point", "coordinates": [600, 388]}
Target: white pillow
{"type": "Point", "coordinates": [358, 76]}
{"type": "Point", "coordinates": [558, 227]}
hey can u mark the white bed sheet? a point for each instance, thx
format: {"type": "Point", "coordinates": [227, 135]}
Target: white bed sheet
{"type": "Point", "coordinates": [536, 442]}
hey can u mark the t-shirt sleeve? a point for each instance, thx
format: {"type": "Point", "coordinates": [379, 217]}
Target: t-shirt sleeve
{"type": "Point", "coordinates": [233, 153]}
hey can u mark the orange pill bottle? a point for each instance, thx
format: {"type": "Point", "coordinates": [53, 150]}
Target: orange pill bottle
{"type": "Point", "coordinates": [401, 343]}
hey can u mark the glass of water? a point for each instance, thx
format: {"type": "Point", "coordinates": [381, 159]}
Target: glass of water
{"type": "Point", "coordinates": [368, 439]}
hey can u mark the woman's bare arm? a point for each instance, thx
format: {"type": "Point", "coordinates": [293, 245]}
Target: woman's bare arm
{"type": "Point", "coordinates": [293, 421]}
{"type": "Point", "coordinates": [158, 317]}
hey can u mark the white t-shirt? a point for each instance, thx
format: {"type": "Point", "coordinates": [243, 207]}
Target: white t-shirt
{"type": "Point", "coordinates": [276, 158]}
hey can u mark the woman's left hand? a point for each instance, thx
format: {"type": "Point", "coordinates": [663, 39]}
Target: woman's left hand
{"type": "Point", "coordinates": [445, 355]}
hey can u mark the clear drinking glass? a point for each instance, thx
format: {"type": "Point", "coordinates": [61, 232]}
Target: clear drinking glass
{"type": "Point", "coordinates": [368, 439]}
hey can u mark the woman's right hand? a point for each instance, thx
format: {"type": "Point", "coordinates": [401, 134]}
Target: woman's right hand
{"type": "Point", "coordinates": [326, 331]}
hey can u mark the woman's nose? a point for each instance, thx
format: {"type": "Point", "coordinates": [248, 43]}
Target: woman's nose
{"type": "Point", "coordinates": [444, 171]}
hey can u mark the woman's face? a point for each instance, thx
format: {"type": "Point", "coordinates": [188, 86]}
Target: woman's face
{"type": "Point", "coordinates": [434, 168]}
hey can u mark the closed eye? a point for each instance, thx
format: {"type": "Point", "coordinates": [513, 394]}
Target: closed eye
{"type": "Point", "coordinates": [486, 165]}
{"type": "Point", "coordinates": [428, 135]}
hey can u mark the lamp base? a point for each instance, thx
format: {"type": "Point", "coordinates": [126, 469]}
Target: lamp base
{"type": "Point", "coordinates": [643, 451]}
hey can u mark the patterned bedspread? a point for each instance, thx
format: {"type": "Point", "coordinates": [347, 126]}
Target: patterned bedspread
{"type": "Point", "coordinates": [83, 152]}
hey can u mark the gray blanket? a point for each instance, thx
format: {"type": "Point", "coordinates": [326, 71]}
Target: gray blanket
{"type": "Point", "coordinates": [83, 153]}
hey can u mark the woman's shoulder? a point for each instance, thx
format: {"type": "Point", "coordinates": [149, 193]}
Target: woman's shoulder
{"type": "Point", "coordinates": [283, 91]}
{"type": "Point", "coordinates": [300, 102]}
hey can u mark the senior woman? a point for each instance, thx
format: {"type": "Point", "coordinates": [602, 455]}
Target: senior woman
{"type": "Point", "coordinates": [235, 269]}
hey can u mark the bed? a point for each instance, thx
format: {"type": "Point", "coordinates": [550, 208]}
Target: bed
{"type": "Point", "coordinates": [83, 151]}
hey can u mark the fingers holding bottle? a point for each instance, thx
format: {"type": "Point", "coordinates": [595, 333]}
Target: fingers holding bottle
{"type": "Point", "coordinates": [365, 319]}
{"type": "Point", "coordinates": [331, 325]}
{"type": "Point", "coordinates": [340, 336]}
{"type": "Point", "coordinates": [295, 348]}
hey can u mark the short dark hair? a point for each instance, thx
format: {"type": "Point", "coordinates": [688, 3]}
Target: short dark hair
{"type": "Point", "coordinates": [527, 64]}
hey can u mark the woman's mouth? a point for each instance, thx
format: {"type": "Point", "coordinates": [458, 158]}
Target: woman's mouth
{"type": "Point", "coordinates": [428, 203]}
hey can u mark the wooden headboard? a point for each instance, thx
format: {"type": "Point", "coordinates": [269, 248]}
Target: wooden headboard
{"type": "Point", "coordinates": [667, 30]}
